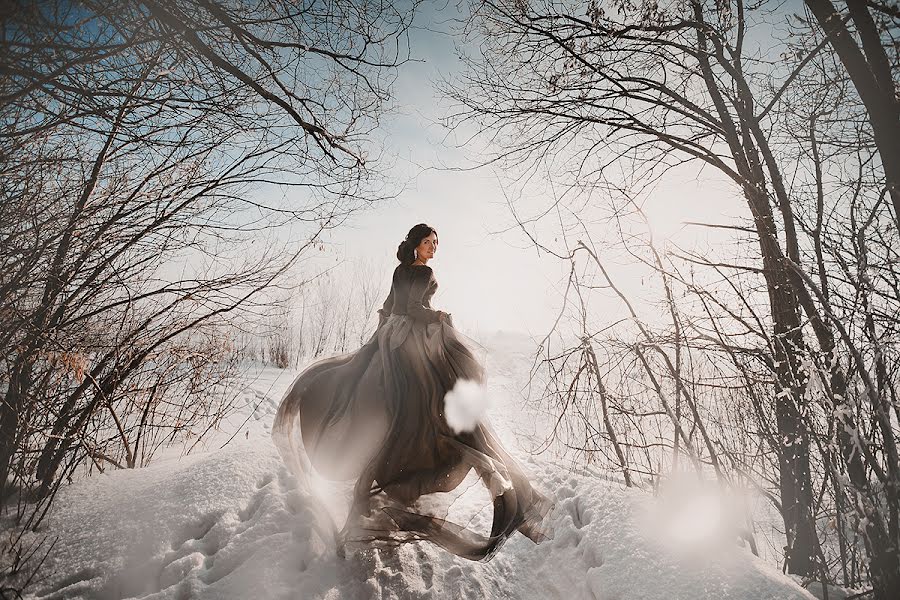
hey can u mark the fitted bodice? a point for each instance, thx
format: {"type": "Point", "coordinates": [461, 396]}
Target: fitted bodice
{"type": "Point", "coordinates": [412, 287]}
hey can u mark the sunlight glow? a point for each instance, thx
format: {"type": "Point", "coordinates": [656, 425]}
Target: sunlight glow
{"type": "Point", "coordinates": [695, 518]}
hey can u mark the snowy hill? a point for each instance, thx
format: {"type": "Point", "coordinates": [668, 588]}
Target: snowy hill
{"type": "Point", "coordinates": [233, 523]}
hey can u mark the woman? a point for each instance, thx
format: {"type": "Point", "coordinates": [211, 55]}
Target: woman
{"type": "Point", "coordinates": [377, 415]}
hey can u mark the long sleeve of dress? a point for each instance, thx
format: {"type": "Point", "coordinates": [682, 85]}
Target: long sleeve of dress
{"type": "Point", "coordinates": [415, 306]}
{"type": "Point", "coordinates": [385, 310]}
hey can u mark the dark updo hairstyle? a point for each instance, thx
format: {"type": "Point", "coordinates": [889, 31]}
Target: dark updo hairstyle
{"type": "Point", "coordinates": [406, 251]}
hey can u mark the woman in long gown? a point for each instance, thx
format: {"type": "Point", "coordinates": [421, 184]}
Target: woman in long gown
{"type": "Point", "coordinates": [376, 415]}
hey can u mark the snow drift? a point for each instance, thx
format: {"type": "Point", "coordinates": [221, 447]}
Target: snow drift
{"type": "Point", "coordinates": [232, 523]}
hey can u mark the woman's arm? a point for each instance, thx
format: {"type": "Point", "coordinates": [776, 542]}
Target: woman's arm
{"type": "Point", "coordinates": [414, 305]}
{"type": "Point", "coordinates": [385, 311]}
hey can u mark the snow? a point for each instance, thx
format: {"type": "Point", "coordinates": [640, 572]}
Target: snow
{"type": "Point", "coordinates": [231, 522]}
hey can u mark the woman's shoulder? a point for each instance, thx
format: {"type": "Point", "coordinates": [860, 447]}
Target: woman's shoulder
{"type": "Point", "coordinates": [415, 270]}
{"type": "Point", "coordinates": [424, 272]}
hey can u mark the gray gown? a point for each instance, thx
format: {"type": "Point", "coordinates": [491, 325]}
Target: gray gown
{"type": "Point", "coordinates": [376, 416]}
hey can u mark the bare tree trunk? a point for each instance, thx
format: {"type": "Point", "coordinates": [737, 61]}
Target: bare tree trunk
{"type": "Point", "coordinates": [881, 540]}
{"type": "Point", "coordinates": [795, 480]}
{"type": "Point", "coordinates": [870, 71]}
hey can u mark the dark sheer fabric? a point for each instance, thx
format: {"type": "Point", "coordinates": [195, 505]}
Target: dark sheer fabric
{"type": "Point", "coordinates": [376, 415]}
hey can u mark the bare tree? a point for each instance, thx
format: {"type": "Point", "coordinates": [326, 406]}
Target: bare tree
{"type": "Point", "coordinates": [146, 149]}
{"type": "Point", "coordinates": [638, 89]}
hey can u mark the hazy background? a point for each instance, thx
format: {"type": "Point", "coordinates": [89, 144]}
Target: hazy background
{"type": "Point", "coordinates": [490, 276]}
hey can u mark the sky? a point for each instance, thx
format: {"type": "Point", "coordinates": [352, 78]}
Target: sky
{"type": "Point", "coordinates": [489, 276]}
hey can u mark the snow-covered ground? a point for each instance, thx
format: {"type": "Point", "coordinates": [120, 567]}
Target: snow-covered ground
{"type": "Point", "coordinates": [232, 522]}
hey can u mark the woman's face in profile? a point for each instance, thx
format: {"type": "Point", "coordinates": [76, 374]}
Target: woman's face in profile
{"type": "Point", "coordinates": [427, 247]}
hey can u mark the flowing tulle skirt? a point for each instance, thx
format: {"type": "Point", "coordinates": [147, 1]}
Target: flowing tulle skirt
{"type": "Point", "coordinates": [376, 416]}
